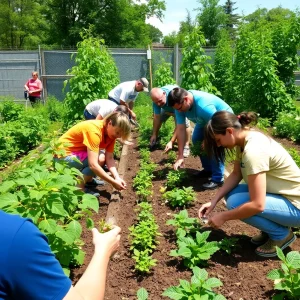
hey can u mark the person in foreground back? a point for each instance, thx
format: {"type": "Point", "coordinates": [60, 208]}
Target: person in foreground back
{"type": "Point", "coordinates": [270, 197]}
{"type": "Point", "coordinates": [29, 270]}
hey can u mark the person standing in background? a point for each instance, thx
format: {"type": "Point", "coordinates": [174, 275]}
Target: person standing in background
{"type": "Point", "coordinates": [34, 88]}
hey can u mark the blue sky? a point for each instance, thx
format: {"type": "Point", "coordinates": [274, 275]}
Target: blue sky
{"type": "Point", "coordinates": [176, 10]}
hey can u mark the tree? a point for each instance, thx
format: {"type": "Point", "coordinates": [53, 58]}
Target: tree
{"type": "Point", "coordinates": [232, 19]}
{"type": "Point", "coordinates": [186, 27]}
{"type": "Point", "coordinates": [211, 18]}
{"type": "Point", "coordinates": [21, 23]}
{"type": "Point", "coordinates": [170, 40]}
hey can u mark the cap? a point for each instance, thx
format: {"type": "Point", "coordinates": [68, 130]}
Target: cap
{"type": "Point", "coordinates": [145, 84]}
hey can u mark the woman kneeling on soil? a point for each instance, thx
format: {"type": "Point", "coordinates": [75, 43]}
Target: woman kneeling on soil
{"type": "Point", "coordinates": [86, 141]}
{"type": "Point", "coordinates": [270, 199]}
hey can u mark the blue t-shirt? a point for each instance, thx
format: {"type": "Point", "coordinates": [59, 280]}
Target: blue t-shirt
{"type": "Point", "coordinates": [28, 268]}
{"type": "Point", "coordinates": [203, 108]}
{"type": "Point", "coordinates": [157, 109]}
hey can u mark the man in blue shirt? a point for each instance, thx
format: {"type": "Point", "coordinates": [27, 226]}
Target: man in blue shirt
{"type": "Point", "coordinates": [29, 270]}
{"type": "Point", "coordinates": [198, 107]}
{"type": "Point", "coordinates": [162, 112]}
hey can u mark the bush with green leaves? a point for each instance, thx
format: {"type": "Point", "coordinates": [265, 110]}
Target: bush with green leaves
{"type": "Point", "coordinates": [55, 109]}
{"type": "Point", "coordinates": [195, 251]}
{"type": "Point", "coordinates": [179, 197]}
{"type": "Point", "coordinates": [195, 70]}
{"type": "Point", "coordinates": [201, 287]}
{"type": "Point", "coordinates": [175, 178]}
{"type": "Point", "coordinates": [95, 74]}
{"type": "Point", "coordinates": [184, 224]}
{"type": "Point", "coordinates": [287, 279]}
{"type": "Point", "coordinates": [295, 155]}
{"type": "Point", "coordinates": [163, 74]}
{"type": "Point", "coordinates": [11, 111]}
{"type": "Point", "coordinates": [288, 126]}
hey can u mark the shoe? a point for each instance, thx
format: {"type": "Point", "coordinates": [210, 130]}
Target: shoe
{"type": "Point", "coordinates": [202, 174]}
{"type": "Point", "coordinates": [105, 168]}
{"type": "Point", "coordinates": [94, 182]}
{"type": "Point", "coordinates": [260, 238]}
{"type": "Point", "coordinates": [269, 248]}
{"type": "Point", "coordinates": [211, 185]}
{"type": "Point", "coordinates": [186, 151]}
{"type": "Point", "coordinates": [87, 191]}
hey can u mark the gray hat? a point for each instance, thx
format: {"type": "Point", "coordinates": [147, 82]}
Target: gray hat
{"type": "Point", "coordinates": [145, 84]}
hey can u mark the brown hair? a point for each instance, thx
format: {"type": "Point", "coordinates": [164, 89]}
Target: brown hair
{"type": "Point", "coordinates": [218, 124]}
{"type": "Point", "coordinates": [176, 96]}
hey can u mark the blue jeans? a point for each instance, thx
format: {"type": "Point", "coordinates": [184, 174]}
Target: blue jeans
{"type": "Point", "coordinates": [278, 215]}
{"type": "Point", "coordinates": [210, 165]}
{"type": "Point", "coordinates": [81, 166]}
{"type": "Point", "coordinates": [88, 116]}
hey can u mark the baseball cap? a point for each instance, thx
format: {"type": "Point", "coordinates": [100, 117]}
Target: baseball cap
{"type": "Point", "coordinates": [145, 84]}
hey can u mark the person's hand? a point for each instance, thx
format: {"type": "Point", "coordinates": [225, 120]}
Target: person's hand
{"type": "Point", "coordinates": [29, 92]}
{"type": "Point", "coordinates": [205, 210]}
{"type": "Point", "coordinates": [133, 115]}
{"type": "Point", "coordinates": [168, 147]}
{"type": "Point", "coordinates": [108, 242]}
{"type": "Point", "coordinates": [178, 163]}
{"type": "Point", "coordinates": [119, 184]}
{"type": "Point", "coordinates": [216, 221]}
{"type": "Point", "coordinates": [152, 140]}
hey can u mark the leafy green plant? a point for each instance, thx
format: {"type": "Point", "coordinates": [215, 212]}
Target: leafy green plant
{"type": "Point", "coordinates": [184, 224]}
{"type": "Point", "coordinates": [287, 279]}
{"type": "Point", "coordinates": [228, 245]}
{"type": "Point", "coordinates": [175, 178]}
{"type": "Point", "coordinates": [172, 157]}
{"type": "Point", "coordinates": [201, 287]}
{"type": "Point", "coordinates": [163, 75]}
{"type": "Point", "coordinates": [103, 226]}
{"type": "Point", "coordinates": [179, 197]}
{"type": "Point", "coordinates": [195, 252]}
{"type": "Point", "coordinates": [95, 74]}
{"type": "Point", "coordinates": [295, 155]}
{"type": "Point", "coordinates": [11, 111]}
{"type": "Point", "coordinates": [197, 149]}
{"type": "Point", "coordinates": [143, 260]}
{"type": "Point", "coordinates": [142, 294]}
{"type": "Point", "coordinates": [287, 126]}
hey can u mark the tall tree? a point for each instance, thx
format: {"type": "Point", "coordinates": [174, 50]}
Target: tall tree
{"type": "Point", "coordinates": [232, 19]}
{"type": "Point", "coordinates": [21, 23]}
{"type": "Point", "coordinates": [186, 27]}
{"type": "Point", "coordinates": [211, 18]}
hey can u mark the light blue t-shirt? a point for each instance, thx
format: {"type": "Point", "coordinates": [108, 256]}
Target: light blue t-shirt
{"type": "Point", "coordinates": [157, 110]}
{"type": "Point", "coordinates": [203, 108]}
{"type": "Point", "coordinates": [28, 268]}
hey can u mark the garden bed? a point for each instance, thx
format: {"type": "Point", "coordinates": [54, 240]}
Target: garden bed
{"type": "Point", "coordinates": [243, 273]}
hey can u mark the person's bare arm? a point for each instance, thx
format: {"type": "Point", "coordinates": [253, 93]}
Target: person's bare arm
{"type": "Point", "coordinates": [91, 286]}
{"type": "Point", "coordinates": [129, 106]}
{"type": "Point", "coordinates": [180, 134]}
{"type": "Point", "coordinates": [156, 127]}
{"type": "Point", "coordinates": [99, 117]}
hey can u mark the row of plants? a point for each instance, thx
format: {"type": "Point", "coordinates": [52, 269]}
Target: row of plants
{"type": "Point", "coordinates": [45, 191]}
{"type": "Point", "coordinates": [23, 129]}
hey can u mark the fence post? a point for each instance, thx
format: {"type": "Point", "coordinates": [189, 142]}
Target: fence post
{"type": "Point", "coordinates": [176, 63]}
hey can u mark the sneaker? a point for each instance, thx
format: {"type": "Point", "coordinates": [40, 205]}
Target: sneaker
{"type": "Point", "coordinates": [269, 248]}
{"type": "Point", "coordinates": [94, 182]}
{"type": "Point", "coordinates": [211, 185]}
{"type": "Point", "coordinates": [87, 191]}
{"type": "Point", "coordinates": [186, 151]}
{"type": "Point", "coordinates": [260, 238]}
{"type": "Point", "coordinates": [202, 174]}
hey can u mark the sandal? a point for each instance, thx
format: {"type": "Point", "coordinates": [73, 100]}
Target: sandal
{"type": "Point", "coordinates": [260, 238]}
{"type": "Point", "coordinates": [269, 248]}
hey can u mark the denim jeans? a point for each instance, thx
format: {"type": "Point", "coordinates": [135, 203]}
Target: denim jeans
{"type": "Point", "coordinates": [81, 166]}
{"type": "Point", "coordinates": [88, 116]}
{"type": "Point", "coordinates": [278, 215]}
{"type": "Point", "coordinates": [210, 165]}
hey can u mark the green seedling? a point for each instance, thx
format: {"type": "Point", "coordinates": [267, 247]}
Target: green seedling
{"type": "Point", "coordinates": [201, 287]}
{"type": "Point", "coordinates": [228, 245]}
{"type": "Point", "coordinates": [179, 197]}
{"type": "Point", "coordinates": [175, 178]}
{"type": "Point", "coordinates": [103, 226]}
{"type": "Point", "coordinates": [142, 294]}
{"type": "Point", "coordinates": [287, 279]}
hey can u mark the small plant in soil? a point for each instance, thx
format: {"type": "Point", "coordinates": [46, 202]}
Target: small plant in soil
{"type": "Point", "coordinates": [143, 260]}
{"type": "Point", "coordinates": [172, 157]}
{"type": "Point", "coordinates": [184, 224]}
{"type": "Point", "coordinates": [175, 178]}
{"type": "Point", "coordinates": [288, 278]}
{"type": "Point", "coordinates": [197, 149]}
{"type": "Point", "coordinates": [228, 245]}
{"type": "Point", "coordinates": [179, 197]}
{"type": "Point", "coordinates": [201, 287]}
{"type": "Point", "coordinates": [195, 251]}
{"type": "Point", "coordinates": [142, 294]}
{"type": "Point", "coordinates": [103, 226]}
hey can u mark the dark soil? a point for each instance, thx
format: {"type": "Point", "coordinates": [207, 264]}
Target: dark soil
{"type": "Point", "coordinates": [243, 273]}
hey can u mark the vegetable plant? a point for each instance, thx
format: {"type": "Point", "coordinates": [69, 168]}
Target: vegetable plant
{"type": "Point", "coordinates": [175, 178]}
{"type": "Point", "coordinates": [228, 245]}
{"type": "Point", "coordinates": [143, 260]}
{"type": "Point", "coordinates": [287, 279]}
{"type": "Point", "coordinates": [195, 252]}
{"type": "Point", "coordinates": [142, 294]}
{"type": "Point", "coordinates": [201, 287]}
{"type": "Point", "coordinates": [179, 197]}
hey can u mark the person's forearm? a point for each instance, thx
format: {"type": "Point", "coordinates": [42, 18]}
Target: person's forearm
{"type": "Point", "coordinates": [230, 183]}
{"type": "Point", "coordinates": [91, 286]}
{"type": "Point", "coordinates": [180, 134]}
{"type": "Point", "coordinates": [156, 125]}
{"type": "Point", "coordinates": [98, 170]}
{"type": "Point", "coordinates": [111, 165]}
{"type": "Point", "coordinates": [174, 136]}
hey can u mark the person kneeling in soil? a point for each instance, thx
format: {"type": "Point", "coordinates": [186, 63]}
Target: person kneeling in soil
{"type": "Point", "coordinates": [86, 141]}
{"type": "Point", "coordinates": [270, 198]}
{"type": "Point", "coordinates": [29, 270]}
